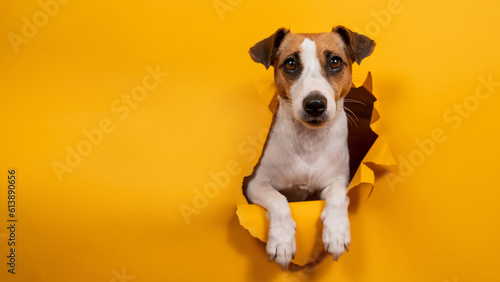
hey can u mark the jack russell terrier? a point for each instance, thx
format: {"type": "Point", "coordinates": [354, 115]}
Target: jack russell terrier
{"type": "Point", "coordinates": [306, 154]}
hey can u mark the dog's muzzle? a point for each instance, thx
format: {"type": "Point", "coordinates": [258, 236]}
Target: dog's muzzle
{"type": "Point", "coordinates": [314, 104]}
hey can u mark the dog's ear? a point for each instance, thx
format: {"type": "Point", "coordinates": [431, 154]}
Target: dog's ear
{"type": "Point", "coordinates": [359, 45]}
{"type": "Point", "coordinates": [265, 50]}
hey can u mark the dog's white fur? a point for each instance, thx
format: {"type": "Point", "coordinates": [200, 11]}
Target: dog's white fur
{"type": "Point", "coordinates": [309, 160]}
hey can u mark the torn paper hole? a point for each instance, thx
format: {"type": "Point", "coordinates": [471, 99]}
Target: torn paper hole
{"type": "Point", "coordinates": [366, 148]}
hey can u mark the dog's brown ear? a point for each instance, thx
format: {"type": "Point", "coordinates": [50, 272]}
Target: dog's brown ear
{"type": "Point", "coordinates": [359, 45]}
{"type": "Point", "coordinates": [265, 50]}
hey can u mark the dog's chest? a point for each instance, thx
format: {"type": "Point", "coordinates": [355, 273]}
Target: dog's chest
{"type": "Point", "coordinates": [300, 180]}
{"type": "Point", "coordinates": [299, 161]}
{"type": "Point", "coordinates": [308, 172]}
{"type": "Point", "coordinates": [303, 164]}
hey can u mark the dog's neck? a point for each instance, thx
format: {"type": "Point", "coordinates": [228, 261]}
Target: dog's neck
{"type": "Point", "coordinates": [309, 143]}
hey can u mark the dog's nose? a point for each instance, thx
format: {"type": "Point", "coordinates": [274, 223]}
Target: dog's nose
{"type": "Point", "coordinates": [314, 104]}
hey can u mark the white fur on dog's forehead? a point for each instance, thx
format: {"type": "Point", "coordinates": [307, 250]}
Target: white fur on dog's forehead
{"type": "Point", "coordinates": [311, 78]}
{"type": "Point", "coordinates": [309, 58]}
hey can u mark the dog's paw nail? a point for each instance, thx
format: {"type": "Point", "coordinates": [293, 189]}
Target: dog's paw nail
{"type": "Point", "coordinates": [271, 257]}
{"type": "Point", "coordinates": [346, 247]}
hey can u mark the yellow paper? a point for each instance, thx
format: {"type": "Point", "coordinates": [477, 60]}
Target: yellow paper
{"type": "Point", "coordinates": [116, 216]}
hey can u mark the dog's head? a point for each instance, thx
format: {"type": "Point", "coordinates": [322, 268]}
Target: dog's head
{"type": "Point", "coordinates": [312, 71]}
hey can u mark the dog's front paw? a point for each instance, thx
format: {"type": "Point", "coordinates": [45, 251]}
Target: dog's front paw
{"type": "Point", "coordinates": [336, 232]}
{"type": "Point", "coordinates": [281, 243]}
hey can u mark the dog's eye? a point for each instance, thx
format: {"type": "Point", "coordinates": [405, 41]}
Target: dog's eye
{"type": "Point", "coordinates": [335, 62]}
{"type": "Point", "coordinates": [290, 64]}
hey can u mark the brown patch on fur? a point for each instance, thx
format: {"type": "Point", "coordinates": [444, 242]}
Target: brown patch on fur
{"type": "Point", "coordinates": [359, 46]}
{"type": "Point", "coordinates": [264, 51]}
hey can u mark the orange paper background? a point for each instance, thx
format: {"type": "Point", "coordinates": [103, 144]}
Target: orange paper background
{"type": "Point", "coordinates": [116, 215]}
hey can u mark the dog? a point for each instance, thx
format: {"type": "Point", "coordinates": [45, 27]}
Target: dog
{"type": "Point", "coordinates": [306, 154]}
